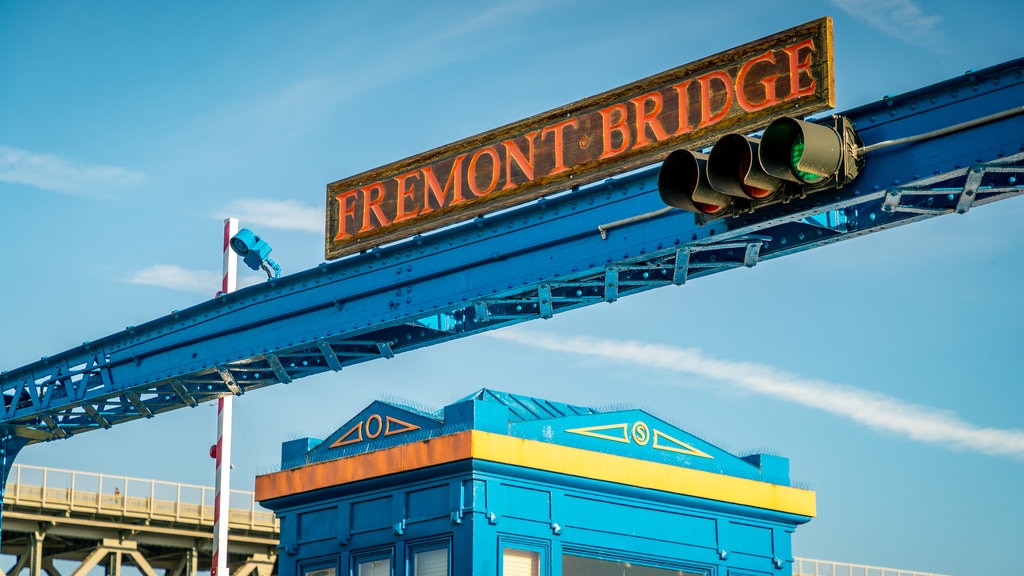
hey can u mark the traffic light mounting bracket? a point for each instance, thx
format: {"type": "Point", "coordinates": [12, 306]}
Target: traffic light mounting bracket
{"type": "Point", "coordinates": [852, 161]}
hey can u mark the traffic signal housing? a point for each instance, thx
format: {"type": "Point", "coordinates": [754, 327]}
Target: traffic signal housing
{"type": "Point", "coordinates": [683, 183]}
{"type": "Point", "coordinates": [740, 173]}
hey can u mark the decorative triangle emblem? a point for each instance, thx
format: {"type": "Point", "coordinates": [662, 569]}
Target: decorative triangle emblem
{"type": "Point", "coordinates": [600, 432]}
{"type": "Point", "coordinates": [354, 435]}
{"type": "Point", "coordinates": [393, 425]}
{"type": "Point", "coordinates": [665, 442]}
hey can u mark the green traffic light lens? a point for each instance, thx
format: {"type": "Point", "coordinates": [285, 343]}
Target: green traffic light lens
{"type": "Point", "coordinates": [796, 153]}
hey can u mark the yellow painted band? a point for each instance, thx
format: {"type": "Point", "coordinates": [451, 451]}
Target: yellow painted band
{"type": "Point", "coordinates": [641, 473]}
{"type": "Point", "coordinates": [540, 456]}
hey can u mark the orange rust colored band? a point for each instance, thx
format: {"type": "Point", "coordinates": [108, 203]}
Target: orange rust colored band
{"type": "Point", "coordinates": [403, 458]}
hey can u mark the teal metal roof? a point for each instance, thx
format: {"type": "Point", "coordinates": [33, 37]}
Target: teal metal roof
{"type": "Point", "coordinates": [525, 408]}
{"type": "Point", "coordinates": [631, 433]}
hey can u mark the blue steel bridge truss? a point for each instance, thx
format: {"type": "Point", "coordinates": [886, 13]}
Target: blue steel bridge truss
{"type": "Point", "coordinates": [587, 245]}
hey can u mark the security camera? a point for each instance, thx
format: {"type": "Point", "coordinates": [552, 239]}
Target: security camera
{"type": "Point", "coordinates": [254, 252]}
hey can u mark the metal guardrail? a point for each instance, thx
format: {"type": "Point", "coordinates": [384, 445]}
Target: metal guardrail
{"type": "Point", "coordinates": [812, 567]}
{"type": "Point", "coordinates": [154, 500]}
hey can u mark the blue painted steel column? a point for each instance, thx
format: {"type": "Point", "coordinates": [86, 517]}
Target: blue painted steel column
{"type": "Point", "coordinates": [10, 445]}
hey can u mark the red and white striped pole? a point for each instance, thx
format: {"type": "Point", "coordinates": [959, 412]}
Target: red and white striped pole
{"type": "Point", "coordinates": [222, 499]}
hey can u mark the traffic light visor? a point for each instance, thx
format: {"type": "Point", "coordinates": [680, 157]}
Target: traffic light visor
{"type": "Point", "coordinates": [683, 183]}
{"type": "Point", "coordinates": [734, 169]}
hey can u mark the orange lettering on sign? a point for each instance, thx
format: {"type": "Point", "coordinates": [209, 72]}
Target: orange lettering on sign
{"type": "Point", "coordinates": [707, 117]}
{"type": "Point", "coordinates": [799, 67]}
{"type": "Point", "coordinates": [768, 82]}
{"type": "Point", "coordinates": [405, 192]}
{"type": "Point", "coordinates": [610, 127]}
{"type": "Point", "coordinates": [683, 107]}
{"type": "Point", "coordinates": [439, 194]}
{"type": "Point", "coordinates": [512, 152]}
{"type": "Point", "coordinates": [371, 206]}
{"type": "Point", "coordinates": [648, 119]}
{"type": "Point", "coordinates": [495, 171]}
{"type": "Point", "coordinates": [347, 210]}
{"type": "Point", "coordinates": [558, 131]}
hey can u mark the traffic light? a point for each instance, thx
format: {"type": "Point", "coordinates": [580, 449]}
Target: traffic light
{"type": "Point", "coordinates": [740, 173]}
{"type": "Point", "coordinates": [734, 169]}
{"type": "Point", "coordinates": [812, 154]}
{"type": "Point", "coordinates": [683, 183]}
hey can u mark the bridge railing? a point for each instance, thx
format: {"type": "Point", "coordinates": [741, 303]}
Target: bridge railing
{"type": "Point", "coordinates": [812, 567]}
{"type": "Point", "coordinates": [154, 500]}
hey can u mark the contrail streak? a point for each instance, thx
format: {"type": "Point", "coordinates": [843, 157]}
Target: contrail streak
{"type": "Point", "coordinates": [872, 409]}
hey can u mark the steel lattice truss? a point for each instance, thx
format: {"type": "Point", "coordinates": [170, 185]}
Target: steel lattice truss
{"type": "Point", "coordinates": [584, 246]}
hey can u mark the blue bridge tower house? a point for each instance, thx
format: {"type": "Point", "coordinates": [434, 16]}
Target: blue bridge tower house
{"type": "Point", "coordinates": [505, 485]}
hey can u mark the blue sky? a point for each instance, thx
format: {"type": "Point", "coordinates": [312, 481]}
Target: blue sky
{"type": "Point", "coordinates": [887, 368]}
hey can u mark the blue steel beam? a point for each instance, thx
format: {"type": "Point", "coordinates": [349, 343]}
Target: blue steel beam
{"type": "Point", "coordinates": [583, 246]}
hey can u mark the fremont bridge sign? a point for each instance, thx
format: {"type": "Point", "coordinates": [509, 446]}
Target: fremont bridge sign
{"type": "Point", "coordinates": [739, 90]}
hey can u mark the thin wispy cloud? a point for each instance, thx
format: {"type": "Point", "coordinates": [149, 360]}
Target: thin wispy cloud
{"type": "Point", "coordinates": [62, 175]}
{"type": "Point", "coordinates": [489, 17]}
{"type": "Point", "coordinates": [278, 214]}
{"type": "Point", "coordinates": [205, 282]}
{"type": "Point", "coordinates": [901, 19]}
{"type": "Point", "coordinates": [297, 107]}
{"type": "Point", "coordinates": [872, 409]}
